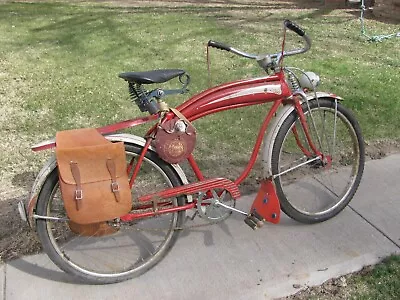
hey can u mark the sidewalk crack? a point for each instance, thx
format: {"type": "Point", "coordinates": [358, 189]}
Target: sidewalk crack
{"type": "Point", "coordinates": [5, 282]}
{"type": "Point", "coordinates": [374, 226]}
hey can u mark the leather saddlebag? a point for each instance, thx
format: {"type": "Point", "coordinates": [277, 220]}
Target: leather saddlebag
{"type": "Point", "coordinates": [175, 139]}
{"type": "Point", "coordinates": [93, 179]}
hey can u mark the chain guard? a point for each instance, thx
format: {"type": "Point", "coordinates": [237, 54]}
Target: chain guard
{"type": "Point", "coordinates": [210, 211]}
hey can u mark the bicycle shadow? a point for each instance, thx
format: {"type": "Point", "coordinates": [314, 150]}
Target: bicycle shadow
{"type": "Point", "coordinates": [41, 267]}
{"type": "Point", "coordinates": [207, 231]}
{"type": "Point", "coordinates": [231, 225]}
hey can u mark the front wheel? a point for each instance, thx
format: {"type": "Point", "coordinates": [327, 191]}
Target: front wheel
{"type": "Point", "coordinates": [108, 252]}
{"type": "Point", "coordinates": [310, 189]}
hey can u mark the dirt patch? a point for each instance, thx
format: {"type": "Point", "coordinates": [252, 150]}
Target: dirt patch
{"type": "Point", "coordinates": [16, 239]}
{"type": "Point", "coordinates": [381, 148]}
{"type": "Point", "coordinates": [336, 288]}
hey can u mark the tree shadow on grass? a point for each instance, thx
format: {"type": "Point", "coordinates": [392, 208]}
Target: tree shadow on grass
{"type": "Point", "coordinates": [73, 27]}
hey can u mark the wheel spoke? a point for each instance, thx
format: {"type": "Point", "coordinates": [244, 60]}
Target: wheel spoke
{"type": "Point", "coordinates": [316, 190]}
{"type": "Point", "coordinates": [104, 253]}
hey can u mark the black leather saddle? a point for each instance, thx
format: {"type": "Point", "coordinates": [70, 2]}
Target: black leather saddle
{"type": "Point", "coordinates": [155, 76]}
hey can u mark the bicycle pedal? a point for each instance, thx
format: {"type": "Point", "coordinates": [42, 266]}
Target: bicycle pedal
{"type": "Point", "coordinates": [257, 216]}
{"type": "Point", "coordinates": [253, 221]}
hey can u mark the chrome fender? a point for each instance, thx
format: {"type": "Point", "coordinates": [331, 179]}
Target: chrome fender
{"type": "Point", "coordinates": [51, 164]}
{"type": "Point", "coordinates": [273, 129]}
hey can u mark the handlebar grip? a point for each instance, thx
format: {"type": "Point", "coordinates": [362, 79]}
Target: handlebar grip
{"type": "Point", "coordinates": [219, 45]}
{"type": "Point", "coordinates": [294, 27]}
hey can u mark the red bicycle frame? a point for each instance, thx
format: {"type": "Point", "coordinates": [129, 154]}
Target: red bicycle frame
{"type": "Point", "coordinates": [224, 97]}
{"type": "Point", "coordinates": [237, 94]}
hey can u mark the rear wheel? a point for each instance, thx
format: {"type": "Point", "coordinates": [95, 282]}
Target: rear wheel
{"type": "Point", "coordinates": [310, 189]}
{"type": "Point", "coordinates": [105, 253]}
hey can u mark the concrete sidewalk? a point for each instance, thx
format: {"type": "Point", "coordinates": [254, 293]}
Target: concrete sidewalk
{"type": "Point", "coordinates": [230, 261]}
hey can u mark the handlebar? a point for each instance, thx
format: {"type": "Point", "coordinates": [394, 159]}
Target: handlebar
{"type": "Point", "coordinates": [288, 24]}
{"type": "Point", "coordinates": [294, 27]}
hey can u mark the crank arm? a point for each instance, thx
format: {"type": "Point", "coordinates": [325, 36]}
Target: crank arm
{"type": "Point", "coordinates": [218, 203]}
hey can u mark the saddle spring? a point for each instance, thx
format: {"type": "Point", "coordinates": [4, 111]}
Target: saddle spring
{"type": "Point", "coordinates": [138, 95]}
{"type": "Point", "coordinates": [142, 98]}
{"type": "Point", "coordinates": [293, 82]}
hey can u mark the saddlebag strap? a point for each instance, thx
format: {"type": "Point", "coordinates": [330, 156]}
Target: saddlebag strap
{"type": "Point", "coordinates": [114, 184]}
{"type": "Point", "coordinates": [77, 177]}
{"type": "Point", "coordinates": [181, 116]}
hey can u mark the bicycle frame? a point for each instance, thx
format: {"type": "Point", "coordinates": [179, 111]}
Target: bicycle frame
{"type": "Point", "coordinates": [224, 97]}
{"type": "Point", "coordinates": [232, 95]}
{"type": "Point", "coordinates": [228, 96]}
{"type": "Point", "coordinates": [235, 95]}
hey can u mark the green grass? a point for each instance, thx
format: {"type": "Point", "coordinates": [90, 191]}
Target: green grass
{"type": "Point", "coordinates": [67, 58]}
{"type": "Point", "coordinates": [378, 282]}
{"type": "Point", "coordinates": [59, 65]}
{"type": "Point", "coordinates": [381, 283]}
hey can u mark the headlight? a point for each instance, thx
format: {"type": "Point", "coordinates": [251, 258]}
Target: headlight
{"type": "Point", "coordinates": [309, 80]}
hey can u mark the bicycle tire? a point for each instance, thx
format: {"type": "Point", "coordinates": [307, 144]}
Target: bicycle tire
{"type": "Point", "coordinates": [128, 252]}
{"type": "Point", "coordinates": [316, 191]}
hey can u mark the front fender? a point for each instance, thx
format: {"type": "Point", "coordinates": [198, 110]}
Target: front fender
{"type": "Point", "coordinates": [273, 129]}
{"type": "Point", "coordinates": [51, 164]}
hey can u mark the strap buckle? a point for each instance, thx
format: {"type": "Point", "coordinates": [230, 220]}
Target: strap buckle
{"type": "Point", "coordinates": [114, 187]}
{"type": "Point", "coordinates": [78, 195]}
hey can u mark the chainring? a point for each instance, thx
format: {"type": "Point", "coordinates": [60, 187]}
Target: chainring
{"type": "Point", "coordinates": [208, 208]}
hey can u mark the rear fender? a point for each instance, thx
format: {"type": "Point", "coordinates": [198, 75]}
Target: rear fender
{"type": "Point", "coordinates": [51, 164]}
{"type": "Point", "coordinates": [273, 129]}
{"type": "Point", "coordinates": [106, 130]}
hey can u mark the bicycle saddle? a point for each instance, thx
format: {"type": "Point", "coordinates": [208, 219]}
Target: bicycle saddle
{"type": "Point", "coordinates": [155, 76]}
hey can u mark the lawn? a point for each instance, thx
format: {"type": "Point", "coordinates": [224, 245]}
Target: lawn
{"type": "Point", "coordinates": [59, 66]}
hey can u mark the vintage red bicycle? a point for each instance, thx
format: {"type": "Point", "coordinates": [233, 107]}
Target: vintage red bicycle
{"type": "Point", "coordinates": [313, 160]}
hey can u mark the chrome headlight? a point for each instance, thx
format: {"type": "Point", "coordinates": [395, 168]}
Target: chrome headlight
{"type": "Point", "coordinates": [309, 80]}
